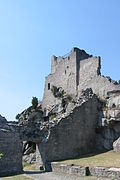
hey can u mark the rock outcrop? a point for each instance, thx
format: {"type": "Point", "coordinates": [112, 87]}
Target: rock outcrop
{"type": "Point", "coordinates": [116, 145]}
{"type": "Point", "coordinates": [109, 121]}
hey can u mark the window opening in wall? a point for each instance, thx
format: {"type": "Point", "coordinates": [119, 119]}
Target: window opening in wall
{"type": "Point", "coordinates": [65, 71]}
{"type": "Point", "coordinates": [67, 67]}
{"type": "Point", "coordinates": [113, 105]}
{"type": "Point", "coordinates": [68, 58]}
{"type": "Point", "coordinates": [48, 86]}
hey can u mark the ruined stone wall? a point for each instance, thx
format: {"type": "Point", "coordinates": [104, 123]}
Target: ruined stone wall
{"type": "Point", "coordinates": [74, 73]}
{"type": "Point", "coordinates": [11, 148]}
{"type": "Point", "coordinates": [75, 134]}
{"type": "Point", "coordinates": [90, 78]}
{"type": "Point", "coordinates": [114, 100]}
{"type": "Point", "coordinates": [63, 75]}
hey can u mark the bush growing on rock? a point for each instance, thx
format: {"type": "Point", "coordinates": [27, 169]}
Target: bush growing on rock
{"type": "Point", "coordinates": [57, 92]}
{"type": "Point", "coordinates": [1, 155]}
{"type": "Point", "coordinates": [52, 116]}
{"type": "Point", "coordinates": [17, 116]}
{"type": "Point", "coordinates": [34, 102]}
{"type": "Point", "coordinates": [60, 94]}
{"type": "Point", "coordinates": [54, 90]}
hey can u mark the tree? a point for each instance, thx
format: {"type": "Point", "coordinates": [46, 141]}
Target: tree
{"type": "Point", "coordinates": [34, 102]}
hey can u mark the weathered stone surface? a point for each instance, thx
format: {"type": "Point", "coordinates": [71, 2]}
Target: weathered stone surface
{"type": "Point", "coordinates": [70, 169]}
{"type": "Point", "coordinates": [30, 158]}
{"type": "Point", "coordinates": [33, 127]}
{"type": "Point", "coordinates": [105, 172]}
{"type": "Point", "coordinates": [109, 121]}
{"type": "Point", "coordinates": [116, 145]}
{"type": "Point", "coordinates": [79, 71]}
{"type": "Point", "coordinates": [74, 134]}
{"type": "Point", "coordinates": [86, 171]}
{"type": "Point", "coordinates": [11, 148]}
{"type": "Point", "coordinates": [3, 123]}
{"type": "Point", "coordinates": [31, 115]}
{"type": "Point", "coordinates": [2, 119]}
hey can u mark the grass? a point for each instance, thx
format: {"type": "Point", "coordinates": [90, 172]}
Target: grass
{"type": "Point", "coordinates": [30, 167]}
{"type": "Point", "coordinates": [106, 159]}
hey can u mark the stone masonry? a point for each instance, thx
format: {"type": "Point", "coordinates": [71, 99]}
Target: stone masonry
{"type": "Point", "coordinates": [74, 134]}
{"type": "Point", "coordinates": [11, 149]}
{"type": "Point", "coordinates": [87, 120]}
{"type": "Point", "coordinates": [74, 73]}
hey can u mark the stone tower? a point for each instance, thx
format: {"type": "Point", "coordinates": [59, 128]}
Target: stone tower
{"type": "Point", "coordinates": [75, 72]}
{"type": "Point", "coordinates": [65, 72]}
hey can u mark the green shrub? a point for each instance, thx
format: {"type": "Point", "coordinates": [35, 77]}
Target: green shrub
{"type": "Point", "coordinates": [17, 116]}
{"type": "Point", "coordinates": [1, 155]}
{"type": "Point", "coordinates": [34, 102]}
{"type": "Point", "coordinates": [29, 109]}
{"type": "Point", "coordinates": [54, 90]}
{"type": "Point", "coordinates": [57, 92]}
{"type": "Point", "coordinates": [60, 94]}
{"type": "Point", "coordinates": [52, 116]}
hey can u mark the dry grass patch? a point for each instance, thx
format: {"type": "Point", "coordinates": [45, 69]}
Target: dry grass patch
{"type": "Point", "coordinates": [107, 159]}
{"type": "Point", "coordinates": [30, 167]}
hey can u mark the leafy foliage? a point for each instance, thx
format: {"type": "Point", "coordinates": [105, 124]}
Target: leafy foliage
{"type": "Point", "coordinates": [1, 155]}
{"type": "Point", "coordinates": [34, 102]}
{"type": "Point", "coordinates": [60, 94]}
{"type": "Point", "coordinates": [52, 116]}
{"type": "Point", "coordinates": [57, 92]}
{"type": "Point", "coordinates": [17, 116]}
{"type": "Point", "coordinates": [54, 90]}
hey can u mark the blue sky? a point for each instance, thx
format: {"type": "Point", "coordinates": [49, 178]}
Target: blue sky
{"type": "Point", "coordinates": [31, 31]}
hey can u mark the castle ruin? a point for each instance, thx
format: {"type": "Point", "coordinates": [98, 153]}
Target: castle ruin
{"type": "Point", "coordinates": [87, 121]}
{"type": "Point", "coordinates": [75, 72]}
